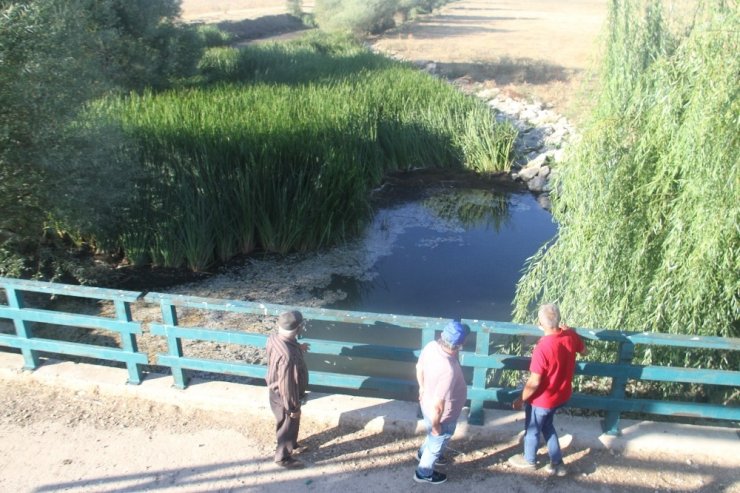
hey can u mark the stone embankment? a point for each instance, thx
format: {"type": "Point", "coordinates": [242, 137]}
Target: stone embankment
{"type": "Point", "coordinates": [540, 144]}
{"type": "Point", "coordinates": [541, 141]}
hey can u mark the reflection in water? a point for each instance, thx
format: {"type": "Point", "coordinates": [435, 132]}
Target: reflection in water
{"type": "Point", "coordinates": [457, 254]}
{"type": "Point", "coordinates": [454, 254]}
{"type": "Point", "coordinates": [473, 209]}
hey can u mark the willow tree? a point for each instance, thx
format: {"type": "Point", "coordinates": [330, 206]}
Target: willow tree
{"type": "Point", "coordinates": [648, 203]}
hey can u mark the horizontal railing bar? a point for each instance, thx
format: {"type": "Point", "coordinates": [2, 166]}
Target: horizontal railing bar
{"type": "Point", "coordinates": [659, 373]}
{"type": "Point", "coordinates": [648, 406]}
{"type": "Point", "coordinates": [662, 339]}
{"type": "Point", "coordinates": [216, 366]}
{"type": "Point", "coordinates": [495, 361]}
{"type": "Point", "coordinates": [268, 309]}
{"type": "Point", "coordinates": [70, 319]}
{"type": "Point", "coordinates": [316, 378]}
{"type": "Point", "coordinates": [73, 348]}
{"type": "Point", "coordinates": [209, 335]}
{"type": "Point", "coordinates": [320, 346]}
{"type": "Point", "coordinates": [70, 290]}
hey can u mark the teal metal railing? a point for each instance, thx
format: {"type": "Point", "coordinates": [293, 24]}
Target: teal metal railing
{"type": "Point", "coordinates": [24, 319]}
{"type": "Point", "coordinates": [481, 360]}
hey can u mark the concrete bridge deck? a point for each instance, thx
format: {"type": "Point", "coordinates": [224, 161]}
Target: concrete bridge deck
{"type": "Point", "coordinates": [77, 427]}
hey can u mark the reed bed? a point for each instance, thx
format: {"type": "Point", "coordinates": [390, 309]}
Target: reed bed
{"type": "Point", "coordinates": [277, 146]}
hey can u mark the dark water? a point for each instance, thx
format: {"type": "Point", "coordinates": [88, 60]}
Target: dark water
{"type": "Point", "coordinates": [455, 254]}
{"type": "Point", "coordinates": [461, 259]}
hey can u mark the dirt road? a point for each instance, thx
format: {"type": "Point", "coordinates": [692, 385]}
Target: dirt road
{"type": "Point", "coordinates": [531, 49]}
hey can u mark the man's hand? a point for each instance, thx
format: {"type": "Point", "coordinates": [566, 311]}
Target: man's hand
{"type": "Point", "coordinates": [436, 429]}
{"type": "Point", "coordinates": [305, 347]}
{"type": "Point", "coordinates": [294, 414]}
{"type": "Point", "coordinates": [518, 404]}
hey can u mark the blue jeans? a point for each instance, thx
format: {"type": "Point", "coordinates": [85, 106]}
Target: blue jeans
{"type": "Point", "coordinates": [433, 446]}
{"type": "Point", "coordinates": [539, 421]}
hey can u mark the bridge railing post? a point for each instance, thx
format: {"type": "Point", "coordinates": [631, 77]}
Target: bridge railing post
{"type": "Point", "coordinates": [30, 357]}
{"type": "Point", "coordinates": [128, 341]}
{"type": "Point", "coordinates": [626, 352]}
{"type": "Point", "coordinates": [174, 344]}
{"type": "Point", "coordinates": [482, 347]}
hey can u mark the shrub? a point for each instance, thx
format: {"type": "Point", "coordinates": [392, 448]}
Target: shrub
{"type": "Point", "coordinates": [55, 170]}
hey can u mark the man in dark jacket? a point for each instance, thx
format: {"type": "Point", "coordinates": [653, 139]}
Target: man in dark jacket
{"type": "Point", "coordinates": [287, 381]}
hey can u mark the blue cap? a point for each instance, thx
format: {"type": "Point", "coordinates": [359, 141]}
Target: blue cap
{"type": "Point", "coordinates": [455, 332]}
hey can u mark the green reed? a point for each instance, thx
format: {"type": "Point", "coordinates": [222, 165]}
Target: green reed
{"type": "Point", "coordinates": [276, 146]}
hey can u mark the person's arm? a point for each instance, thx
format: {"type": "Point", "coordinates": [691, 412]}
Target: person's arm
{"type": "Point", "coordinates": [436, 417]}
{"type": "Point", "coordinates": [420, 381]}
{"type": "Point", "coordinates": [533, 383]}
{"type": "Point", "coordinates": [584, 349]}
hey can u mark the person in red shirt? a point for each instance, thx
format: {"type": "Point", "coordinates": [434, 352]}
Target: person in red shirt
{"type": "Point", "coordinates": [548, 388]}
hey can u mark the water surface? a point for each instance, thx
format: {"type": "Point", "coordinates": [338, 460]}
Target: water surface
{"type": "Point", "coordinates": [453, 254]}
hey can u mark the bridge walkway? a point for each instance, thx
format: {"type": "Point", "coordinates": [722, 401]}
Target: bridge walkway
{"type": "Point", "coordinates": [75, 427]}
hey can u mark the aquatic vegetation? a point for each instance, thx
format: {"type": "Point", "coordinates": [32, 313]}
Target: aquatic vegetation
{"type": "Point", "coordinates": [277, 145]}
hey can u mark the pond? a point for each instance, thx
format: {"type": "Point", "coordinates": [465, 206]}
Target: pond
{"type": "Point", "coordinates": [455, 253]}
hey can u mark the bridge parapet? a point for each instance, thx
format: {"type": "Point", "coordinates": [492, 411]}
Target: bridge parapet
{"type": "Point", "coordinates": [482, 360]}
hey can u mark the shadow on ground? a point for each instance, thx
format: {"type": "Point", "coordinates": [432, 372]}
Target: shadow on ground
{"type": "Point", "coordinates": [262, 27]}
{"type": "Point", "coordinates": [508, 71]}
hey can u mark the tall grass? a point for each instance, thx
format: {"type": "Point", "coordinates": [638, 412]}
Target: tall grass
{"type": "Point", "coordinates": [648, 204]}
{"type": "Point", "coordinates": [277, 146]}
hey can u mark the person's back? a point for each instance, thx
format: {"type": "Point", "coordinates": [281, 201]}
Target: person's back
{"type": "Point", "coordinates": [548, 388]}
{"type": "Point", "coordinates": [554, 359]}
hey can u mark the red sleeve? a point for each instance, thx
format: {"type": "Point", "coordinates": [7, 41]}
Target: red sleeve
{"type": "Point", "coordinates": [578, 344]}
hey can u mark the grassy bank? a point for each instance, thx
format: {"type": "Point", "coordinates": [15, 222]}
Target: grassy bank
{"type": "Point", "coordinates": [276, 147]}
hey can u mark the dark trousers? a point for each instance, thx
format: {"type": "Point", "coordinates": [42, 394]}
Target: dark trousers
{"type": "Point", "coordinates": [286, 428]}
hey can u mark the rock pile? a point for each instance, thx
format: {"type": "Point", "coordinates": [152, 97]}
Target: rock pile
{"type": "Point", "coordinates": [539, 147]}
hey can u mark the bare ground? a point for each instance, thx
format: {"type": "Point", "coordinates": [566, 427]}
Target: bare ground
{"type": "Point", "coordinates": [531, 49]}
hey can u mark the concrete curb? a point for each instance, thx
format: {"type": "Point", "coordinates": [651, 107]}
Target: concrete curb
{"type": "Point", "coordinates": [332, 410]}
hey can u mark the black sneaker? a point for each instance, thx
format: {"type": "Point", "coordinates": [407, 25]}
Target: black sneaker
{"type": "Point", "coordinates": [435, 478]}
{"type": "Point", "coordinates": [441, 460]}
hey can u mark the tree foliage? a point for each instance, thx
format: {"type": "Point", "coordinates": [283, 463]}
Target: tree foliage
{"type": "Point", "coordinates": [648, 203]}
{"type": "Point", "coordinates": [55, 56]}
